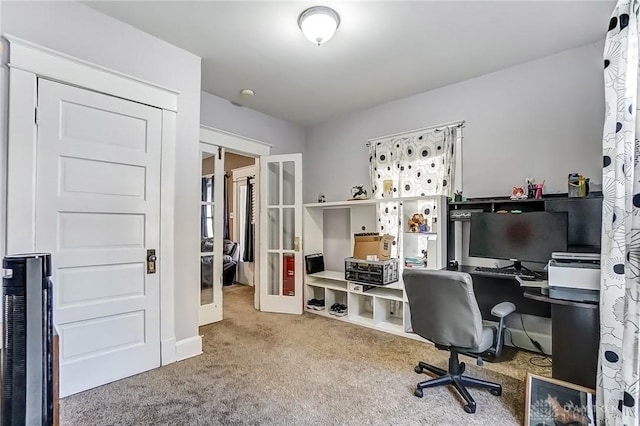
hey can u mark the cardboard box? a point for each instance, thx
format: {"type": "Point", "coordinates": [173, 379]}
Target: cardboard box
{"type": "Point", "coordinates": [368, 244]}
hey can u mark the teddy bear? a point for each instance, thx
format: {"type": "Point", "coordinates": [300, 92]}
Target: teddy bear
{"type": "Point", "coordinates": [417, 223]}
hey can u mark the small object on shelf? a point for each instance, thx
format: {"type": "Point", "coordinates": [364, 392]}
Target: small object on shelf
{"type": "Point", "coordinates": [518, 193]}
{"type": "Point", "coordinates": [452, 265]}
{"type": "Point", "coordinates": [321, 198]}
{"type": "Point", "coordinates": [358, 193]}
{"type": "Point", "coordinates": [381, 272]}
{"type": "Point", "coordinates": [530, 182]}
{"type": "Point", "coordinates": [367, 243]}
{"type": "Point", "coordinates": [413, 262]}
{"type": "Point", "coordinates": [539, 190]}
{"type": "Point", "coordinates": [315, 304]}
{"type": "Point", "coordinates": [314, 263]}
{"type": "Point", "coordinates": [457, 197]}
{"type": "Point", "coordinates": [578, 185]}
{"type": "Point", "coordinates": [417, 223]}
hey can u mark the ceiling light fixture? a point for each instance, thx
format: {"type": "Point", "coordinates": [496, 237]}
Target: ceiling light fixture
{"type": "Point", "coordinates": [247, 92]}
{"type": "Point", "coordinates": [319, 23]}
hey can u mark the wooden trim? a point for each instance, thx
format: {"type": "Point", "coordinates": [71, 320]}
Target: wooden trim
{"type": "Point", "coordinates": [234, 142]}
{"type": "Point", "coordinates": [167, 241]}
{"type": "Point", "coordinates": [188, 348]}
{"type": "Point", "coordinates": [21, 163]}
{"type": "Point", "coordinates": [53, 65]}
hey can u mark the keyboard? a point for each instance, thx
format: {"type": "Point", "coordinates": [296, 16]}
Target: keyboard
{"type": "Point", "coordinates": [507, 272]}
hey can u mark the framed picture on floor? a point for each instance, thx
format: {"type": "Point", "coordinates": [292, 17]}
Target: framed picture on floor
{"type": "Point", "coordinates": [555, 402]}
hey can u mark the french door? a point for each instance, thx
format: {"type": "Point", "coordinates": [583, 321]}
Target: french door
{"type": "Point", "coordinates": [211, 233]}
{"type": "Point", "coordinates": [281, 216]}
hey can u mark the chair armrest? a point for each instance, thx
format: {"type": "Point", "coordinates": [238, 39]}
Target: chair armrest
{"type": "Point", "coordinates": [503, 309]}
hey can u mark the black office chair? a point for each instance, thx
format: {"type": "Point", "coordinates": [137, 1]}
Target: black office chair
{"type": "Point", "coordinates": [444, 310]}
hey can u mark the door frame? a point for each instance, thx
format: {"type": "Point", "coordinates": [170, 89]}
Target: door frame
{"type": "Point", "coordinates": [246, 146]}
{"type": "Point", "coordinates": [27, 63]}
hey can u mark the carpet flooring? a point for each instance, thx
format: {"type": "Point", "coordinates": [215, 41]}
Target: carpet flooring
{"type": "Point", "coordinates": [273, 369]}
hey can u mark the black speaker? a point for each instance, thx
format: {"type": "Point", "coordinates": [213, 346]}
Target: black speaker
{"type": "Point", "coordinates": [314, 263]}
{"type": "Point", "coordinates": [27, 330]}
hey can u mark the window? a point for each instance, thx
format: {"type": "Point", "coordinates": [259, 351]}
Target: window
{"type": "Point", "coordinates": [206, 226]}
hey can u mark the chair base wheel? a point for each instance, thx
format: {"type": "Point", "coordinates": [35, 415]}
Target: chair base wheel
{"type": "Point", "coordinates": [469, 408]}
{"type": "Point", "coordinates": [418, 393]}
{"type": "Point", "coordinates": [418, 369]}
{"type": "Point", "coordinates": [496, 392]}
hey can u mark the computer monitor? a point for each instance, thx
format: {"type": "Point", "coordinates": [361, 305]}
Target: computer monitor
{"type": "Point", "coordinates": [521, 237]}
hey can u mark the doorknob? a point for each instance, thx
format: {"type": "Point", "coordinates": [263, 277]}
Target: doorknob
{"type": "Point", "coordinates": [151, 261]}
{"type": "Point", "coordinates": [296, 244]}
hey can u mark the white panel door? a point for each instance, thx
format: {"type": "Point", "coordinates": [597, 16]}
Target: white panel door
{"type": "Point", "coordinates": [97, 213]}
{"type": "Point", "coordinates": [281, 216]}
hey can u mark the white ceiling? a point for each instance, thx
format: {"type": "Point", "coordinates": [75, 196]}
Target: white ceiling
{"type": "Point", "coordinates": [383, 50]}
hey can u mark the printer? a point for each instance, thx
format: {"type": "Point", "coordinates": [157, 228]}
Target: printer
{"type": "Point", "coordinates": [574, 276]}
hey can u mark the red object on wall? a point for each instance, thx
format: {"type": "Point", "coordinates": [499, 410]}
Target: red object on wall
{"type": "Point", "coordinates": [288, 275]}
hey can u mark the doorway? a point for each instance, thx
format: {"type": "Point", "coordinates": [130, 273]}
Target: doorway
{"type": "Point", "coordinates": [221, 154]}
{"type": "Point", "coordinates": [227, 239]}
{"type": "Point", "coordinates": [243, 214]}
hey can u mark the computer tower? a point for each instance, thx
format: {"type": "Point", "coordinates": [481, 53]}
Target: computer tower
{"type": "Point", "coordinates": [27, 330]}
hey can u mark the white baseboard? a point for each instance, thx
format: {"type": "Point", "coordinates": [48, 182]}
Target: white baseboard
{"type": "Point", "coordinates": [186, 348]}
{"type": "Point", "coordinates": [168, 351]}
{"type": "Point", "coordinates": [520, 339]}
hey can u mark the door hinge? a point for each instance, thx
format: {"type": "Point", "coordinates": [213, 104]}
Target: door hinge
{"type": "Point", "coordinates": [37, 116]}
{"type": "Point", "coordinates": [219, 153]}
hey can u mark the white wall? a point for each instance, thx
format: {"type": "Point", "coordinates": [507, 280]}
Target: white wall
{"type": "Point", "coordinates": [542, 119]}
{"type": "Point", "coordinates": [219, 113]}
{"type": "Point", "coordinates": [77, 30]}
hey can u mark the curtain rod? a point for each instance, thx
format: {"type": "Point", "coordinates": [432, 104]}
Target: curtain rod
{"type": "Point", "coordinates": [457, 123]}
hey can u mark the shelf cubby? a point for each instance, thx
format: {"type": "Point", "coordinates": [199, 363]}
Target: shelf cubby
{"type": "Point", "coordinates": [335, 296]}
{"type": "Point", "coordinates": [327, 279]}
{"type": "Point", "coordinates": [313, 292]}
{"type": "Point", "coordinates": [360, 308]}
{"type": "Point", "coordinates": [394, 294]}
{"type": "Point", "coordinates": [388, 314]}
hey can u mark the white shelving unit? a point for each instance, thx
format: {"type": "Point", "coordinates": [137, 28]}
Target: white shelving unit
{"type": "Point", "coordinates": [381, 307]}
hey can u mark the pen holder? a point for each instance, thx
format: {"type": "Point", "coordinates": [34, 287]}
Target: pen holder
{"type": "Point", "coordinates": [578, 186]}
{"type": "Point", "coordinates": [573, 190]}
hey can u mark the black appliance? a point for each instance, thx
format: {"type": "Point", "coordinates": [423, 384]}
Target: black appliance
{"type": "Point", "coordinates": [27, 330]}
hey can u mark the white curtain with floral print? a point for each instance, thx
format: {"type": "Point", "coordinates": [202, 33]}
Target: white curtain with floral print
{"type": "Point", "coordinates": [619, 353]}
{"type": "Point", "coordinates": [418, 163]}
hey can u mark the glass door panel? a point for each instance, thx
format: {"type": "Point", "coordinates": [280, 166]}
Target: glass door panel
{"type": "Point", "coordinates": [288, 183]}
{"type": "Point", "coordinates": [288, 228]}
{"type": "Point", "coordinates": [281, 265]}
{"type": "Point", "coordinates": [273, 274]}
{"type": "Point", "coordinates": [273, 228]}
{"type": "Point", "coordinates": [274, 184]}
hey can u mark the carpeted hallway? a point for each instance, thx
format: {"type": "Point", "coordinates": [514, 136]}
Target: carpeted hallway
{"type": "Point", "coordinates": [272, 369]}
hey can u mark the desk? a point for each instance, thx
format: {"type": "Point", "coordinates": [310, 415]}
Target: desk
{"type": "Point", "coordinates": [575, 336]}
{"type": "Point", "coordinates": [493, 289]}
